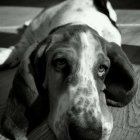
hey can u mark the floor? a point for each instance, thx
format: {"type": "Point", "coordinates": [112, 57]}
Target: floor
{"type": "Point", "coordinates": [127, 119]}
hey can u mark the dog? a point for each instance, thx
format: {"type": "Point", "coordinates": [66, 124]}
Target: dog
{"type": "Point", "coordinates": [71, 67]}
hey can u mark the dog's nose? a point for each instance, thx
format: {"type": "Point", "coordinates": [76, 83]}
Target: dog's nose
{"type": "Point", "coordinates": [77, 132]}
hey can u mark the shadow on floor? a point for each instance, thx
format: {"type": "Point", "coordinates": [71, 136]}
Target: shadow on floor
{"type": "Point", "coordinates": [7, 38]}
{"type": "Point", "coordinates": [133, 53]}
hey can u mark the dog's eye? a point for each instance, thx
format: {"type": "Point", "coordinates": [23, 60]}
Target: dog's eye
{"type": "Point", "coordinates": [60, 63]}
{"type": "Point", "coordinates": [102, 71]}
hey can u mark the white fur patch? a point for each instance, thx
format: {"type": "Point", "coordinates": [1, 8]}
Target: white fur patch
{"type": "Point", "coordinates": [5, 53]}
{"type": "Point", "coordinates": [87, 62]}
{"type": "Point", "coordinates": [112, 13]}
{"type": "Point", "coordinates": [88, 58]}
{"type": "Point", "coordinates": [106, 118]}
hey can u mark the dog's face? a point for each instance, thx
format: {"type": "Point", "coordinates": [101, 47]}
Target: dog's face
{"type": "Point", "coordinates": [77, 62]}
{"type": "Point", "coordinates": [75, 73]}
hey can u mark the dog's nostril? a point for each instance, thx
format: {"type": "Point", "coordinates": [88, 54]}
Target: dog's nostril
{"type": "Point", "coordinates": [78, 133]}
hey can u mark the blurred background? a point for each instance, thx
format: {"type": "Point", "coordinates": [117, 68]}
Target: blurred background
{"type": "Point", "coordinates": [118, 4]}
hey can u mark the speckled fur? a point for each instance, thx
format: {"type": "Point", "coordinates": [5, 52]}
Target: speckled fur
{"type": "Point", "coordinates": [77, 102]}
{"type": "Point", "coordinates": [77, 98]}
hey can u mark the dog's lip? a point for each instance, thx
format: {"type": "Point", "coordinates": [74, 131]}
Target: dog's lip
{"type": "Point", "coordinates": [102, 97]}
{"type": "Point", "coordinates": [104, 108]}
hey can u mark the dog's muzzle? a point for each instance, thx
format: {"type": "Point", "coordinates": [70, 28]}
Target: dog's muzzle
{"type": "Point", "coordinates": [83, 125]}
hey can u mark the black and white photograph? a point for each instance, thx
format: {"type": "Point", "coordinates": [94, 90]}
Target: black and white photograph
{"type": "Point", "coordinates": [70, 70]}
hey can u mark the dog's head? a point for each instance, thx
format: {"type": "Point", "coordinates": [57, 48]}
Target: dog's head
{"type": "Point", "coordinates": [81, 73]}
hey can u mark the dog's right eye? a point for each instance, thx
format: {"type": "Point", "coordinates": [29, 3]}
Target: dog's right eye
{"type": "Point", "coordinates": [60, 63]}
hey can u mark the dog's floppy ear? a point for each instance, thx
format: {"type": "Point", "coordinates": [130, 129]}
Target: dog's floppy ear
{"type": "Point", "coordinates": [38, 61]}
{"type": "Point", "coordinates": [27, 85]}
{"type": "Point", "coordinates": [121, 81]}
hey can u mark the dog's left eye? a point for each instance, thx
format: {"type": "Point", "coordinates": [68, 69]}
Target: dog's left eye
{"type": "Point", "coordinates": [60, 63]}
{"type": "Point", "coordinates": [102, 71]}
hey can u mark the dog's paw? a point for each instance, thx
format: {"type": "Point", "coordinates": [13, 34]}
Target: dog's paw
{"type": "Point", "coordinates": [5, 53]}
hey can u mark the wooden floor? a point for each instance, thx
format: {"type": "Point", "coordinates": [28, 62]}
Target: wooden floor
{"type": "Point", "coordinates": [127, 119]}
